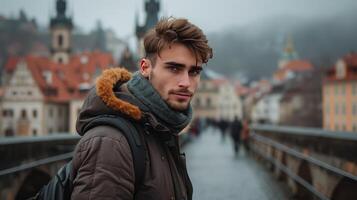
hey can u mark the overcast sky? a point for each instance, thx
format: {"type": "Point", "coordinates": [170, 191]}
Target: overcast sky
{"type": "Point", "coordinates": [210, 15]}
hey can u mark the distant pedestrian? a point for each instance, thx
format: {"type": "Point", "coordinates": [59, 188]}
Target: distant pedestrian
{"type": "Point", "coordinates": [245, 135]}
{"type": "Point", "coordinates": [222, 125]}
{"type": "Point", "coordinates": [195, 128]}
{"type": "Point", "coordinates": [236, 128]}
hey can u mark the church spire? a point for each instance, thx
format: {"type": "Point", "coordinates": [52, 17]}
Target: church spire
{"type": "Point", "coordinates": [289, 53]}
{"type": "Point", "coordinates": [61, 8]}
{"type": "Point", "coordinates": [152, 8]}
{"type": "Point", "coordinates": [61, 27]}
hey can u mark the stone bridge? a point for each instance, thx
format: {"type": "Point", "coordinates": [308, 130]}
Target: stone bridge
{"type": "Point", "coordinates": [284, 163]}
{"type": "Point", "coordinates": [27, 163]}
{"type": "Point", "coordinates": [316, 164]}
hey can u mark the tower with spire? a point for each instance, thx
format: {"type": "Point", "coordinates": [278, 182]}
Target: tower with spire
{"type": "Point", "coordinates": [61, 27]}
{"type": "Point", "coordinates": [289, 53]}
{"type": "Point", "coordinates": [100, 38]}
{"type": "Point", "coordinates": [152, 8]}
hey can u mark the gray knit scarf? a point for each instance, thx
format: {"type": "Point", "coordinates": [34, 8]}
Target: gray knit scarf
{"type": "Point", "coordinates": [142, 89]}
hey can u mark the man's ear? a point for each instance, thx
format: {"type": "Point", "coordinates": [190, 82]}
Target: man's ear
{"type": "Point", "coordinates": [145, 67]}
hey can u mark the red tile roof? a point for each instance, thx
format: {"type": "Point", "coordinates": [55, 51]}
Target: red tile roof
{"type": "Point", "coordinates": [351, 64]}
{"type": "Point", "coordinates": [351, 60]}
{"type": "Point", "coordinates": [219, 81]}
{"type": "Point", "coordinates": [66, 78]}
{"type": "Point", "coordinates": [298, 66]}
{"type": "Point", "coordinates": [293, 66]}
{"type": "Point", "coordinates": [11, 64]}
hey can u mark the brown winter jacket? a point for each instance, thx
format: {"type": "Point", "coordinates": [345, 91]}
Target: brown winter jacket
{"type": "Point", "coordinates": [103, 163]}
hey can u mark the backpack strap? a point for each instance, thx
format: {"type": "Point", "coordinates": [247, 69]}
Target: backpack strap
{"type": "Point", "coordinates": [133, 134]}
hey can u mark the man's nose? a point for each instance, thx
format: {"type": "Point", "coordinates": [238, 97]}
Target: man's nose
{"type": "Point", "coordinates": [184, 80]}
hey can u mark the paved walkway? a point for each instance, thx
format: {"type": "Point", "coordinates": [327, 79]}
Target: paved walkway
{"type": "Point", "coordinates": [216, 174]}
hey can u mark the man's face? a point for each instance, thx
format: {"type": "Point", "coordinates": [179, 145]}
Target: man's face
{"type": "Point", "coordinates": [175, 76]}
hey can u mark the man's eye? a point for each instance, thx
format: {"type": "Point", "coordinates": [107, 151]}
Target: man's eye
{"type": "Point", "coordinates": [195, 72]}
{"type": "Point", "coordinates": [174, 69]}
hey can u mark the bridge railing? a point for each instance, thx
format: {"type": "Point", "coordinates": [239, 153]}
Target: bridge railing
{"type": "Point", "coordinates": [20, 153]}
{"type": "Point", "coordinates": [23, 153]}
{"type": "Point", "coordinates": [309, 157]}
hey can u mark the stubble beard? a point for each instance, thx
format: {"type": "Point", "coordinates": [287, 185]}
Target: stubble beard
{"type": "Point", "coordinates": [177, 106]}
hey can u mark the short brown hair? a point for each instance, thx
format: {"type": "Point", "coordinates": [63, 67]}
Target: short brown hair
{"type": "Point", "coordinates": [177, 30]}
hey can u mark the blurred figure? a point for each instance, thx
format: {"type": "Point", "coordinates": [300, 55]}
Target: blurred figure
{"type": "Point", "coordinates": [196, 127]}
{"type": "Point", "coordinates": [236, 128]}
{"type": "Point", "coordinates": [222, 125]}
{"type": "Point", "coordinates": [245, 135]}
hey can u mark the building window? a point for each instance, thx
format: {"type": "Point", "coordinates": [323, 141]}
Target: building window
{"type": "Point", "coordinates": [337, 128]}
{"type": "Point", "coordinates": [354, 128]}
{"type": "Point", "coordinates": [202, 86]}
{"type": "Point", "coordinates": [14, 93]}
{"type": "Point", "coordinates": [60, 40]}
{"type": "Point", "coordinates": [23, 114]}
{"type": "Point", "coordinates": [50, 130]}
{"type": "Point", "coordinates": [354, 109]}
{"type": "Point", "coordinates": [343, 109]}
{"type": "Point", "coordinates": [354, 88]}
{"type": "Point", "coordinates": [50, 112]}
{"type": "Point", "coordinates": [336, 109]}
{"type": "Point", "coordinates": [34, 113]}
{"type": "Point", "coordinates": [336, 89]}
{"type": "Point", "coordinates": [29, 93]}
{"type": "Point", "coordinates": [8, 113]}
{"type": "Point", "coordinates": [9, 132]}
{"type": "Point", "coordinates": [343, 127]}
{"type": "Point", "coordinates": [327, 120]}
{"type": "Point", "coordinates": [343, 89]}
{"type": "Point", "coordinates": [198, 102]}
{"type": "Point", "coordinates": [59, 112]}
{"type": "Point", "coordinates": [34, 132]}
{"type": "Point", "coordinates": [208, 102]}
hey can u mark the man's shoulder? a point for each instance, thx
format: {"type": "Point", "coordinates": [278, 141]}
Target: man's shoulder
{"type": "Point", "coordinates": [103, 131]}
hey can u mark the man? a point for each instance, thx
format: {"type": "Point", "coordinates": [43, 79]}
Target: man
{"type": "Point", "coordinates": [236, 128]}
{"type": "Point", "coordinates": [158, 98]}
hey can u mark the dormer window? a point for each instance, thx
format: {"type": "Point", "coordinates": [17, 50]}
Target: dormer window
{"type": "Point", "coordinates": [340, 69]}
{"type": "Point", "coordinates": [84, 59]}
{"type": "Point", "coordinates": [86, 76]}
{"type": "Point", "coordinates": [47, 75]}
{"type": "Point", "coordinates": [60, 74]}
{"type": "Point", "coordinates": [84, 87]}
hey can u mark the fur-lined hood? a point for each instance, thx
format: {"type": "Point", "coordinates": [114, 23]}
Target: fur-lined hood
{"type": "Point", "coordinates": [107, 98]}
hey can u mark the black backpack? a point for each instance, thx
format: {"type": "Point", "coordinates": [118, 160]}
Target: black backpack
{"type": "Point", "coordinates": [60, 187]}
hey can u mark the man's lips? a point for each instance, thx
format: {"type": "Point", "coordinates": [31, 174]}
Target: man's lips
{"type": "Point", "coordinates": [182, 95]}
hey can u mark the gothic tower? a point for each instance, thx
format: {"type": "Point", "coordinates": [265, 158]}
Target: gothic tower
{"type": "Point", "coordinates": [61, 27]}
{"type": "Point", "coordinates": [152, 8]}
{"type": "Point", "coordinates": [289, 53]}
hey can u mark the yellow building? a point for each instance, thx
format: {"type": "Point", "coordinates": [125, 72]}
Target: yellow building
{"type": "Point", "coordinates": [340, 95]}
{"type": "Point", "coordinates": [216, 99]}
